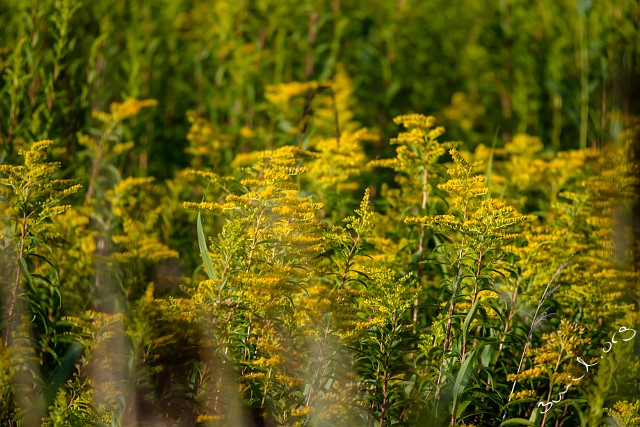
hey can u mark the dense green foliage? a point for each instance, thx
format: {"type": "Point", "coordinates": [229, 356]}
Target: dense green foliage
{"type": "Point", "coordinates": [226, 213]}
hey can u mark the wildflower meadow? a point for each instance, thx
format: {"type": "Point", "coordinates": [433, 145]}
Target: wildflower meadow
{"type": "Point", "coordinates": [319, 213]}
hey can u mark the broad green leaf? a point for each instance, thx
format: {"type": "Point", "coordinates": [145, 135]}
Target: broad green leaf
{"type": "Point", "coordinates": [462, 376]}
{"type": "Point", "coordinates": [517, 422]}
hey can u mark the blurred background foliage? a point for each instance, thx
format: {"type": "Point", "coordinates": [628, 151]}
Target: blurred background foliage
{"type": "Point", "coordinates": [553, 69]}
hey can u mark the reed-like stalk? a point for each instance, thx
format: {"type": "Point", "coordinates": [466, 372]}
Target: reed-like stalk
{"type": "Point", "coordinates": [538, 317]}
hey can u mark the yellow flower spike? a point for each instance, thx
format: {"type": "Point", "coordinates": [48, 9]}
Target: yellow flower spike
{"type": "Point", "coordinates": [129, 108]}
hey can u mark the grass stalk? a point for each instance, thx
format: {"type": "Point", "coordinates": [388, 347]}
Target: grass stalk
{"type": "Point", "coordinates": [538, 318]}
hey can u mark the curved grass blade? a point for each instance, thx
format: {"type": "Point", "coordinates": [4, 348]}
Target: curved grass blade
{"type": "Point", "coordinates": [204, 251]}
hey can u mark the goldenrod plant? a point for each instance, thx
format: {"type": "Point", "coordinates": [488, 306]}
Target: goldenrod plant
{"type": "Point", "coordinates": [300, 318]}
{"type": "Point", "coordinates": [31, 195]}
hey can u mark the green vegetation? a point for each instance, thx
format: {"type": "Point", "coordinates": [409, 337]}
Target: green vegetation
{"type": "Point", "coordinates": [236, 213]}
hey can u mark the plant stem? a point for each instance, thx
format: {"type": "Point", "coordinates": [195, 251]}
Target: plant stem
{"type": "Point", "coordinates": [319, 374]}
{"type": "Point", "coordinates": [198, 390]}
{"type": "Point", "coordinates": [95, 167]}
{"type": "Point", "coordinates": [544, 417]}
{"type": "Point", "coordinates": [16, 284]}
{"type": "Point", "coordinates": [475, 294]}
{"type": "Point", "coordinates": [423, 211]}
{"type": "Point", "coordinates": [347, 262]}
{"type": "Point", "coordinates": [584, 78]}
{"type": "Point", "coordinates": [387, 363]}
{"type": "Point", "coordinates": [254, 241]}
{"type": "Point", "coordinates": [507, 326]}
{"type": "Point", "coordinates": [452, 306]}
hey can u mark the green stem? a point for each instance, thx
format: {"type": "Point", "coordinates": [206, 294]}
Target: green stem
{"type": "Point", "coordinates": [584, 80]}
{"type": "Point", "coordinates": [254, 241]}
{"type": "Point", "coordinates": [387, 363]}
{"type": "Point", "coordinates": [475, 296]}
{"type": "Point", "coordinates": [423, 211]}
{"type": "Point", "coordinates": [544, 417]}
{"type": "Point", "coordinates": [16, 284]}
{"type": "Point", "coordinates": [447, 337]}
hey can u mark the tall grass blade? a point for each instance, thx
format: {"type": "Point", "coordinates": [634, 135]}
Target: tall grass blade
{"type": "Point", "coordinates": [204, 251]}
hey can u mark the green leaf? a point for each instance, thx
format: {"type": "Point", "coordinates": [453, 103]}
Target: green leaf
{"type": "Point", "coordinates": [517, 421]}
{"type": "Point", "coordinates": [204, 251]}
{"type": "Point", "coordinates": [25, 271]}
{"type": "Point", "coordinates": [462, 376]}
{"type": "Point", "coordinates": [487, 355]}
{"type": "Point", "coordinates": [462, 407]}
{"type": "Point", "coordinates": [468, 319]}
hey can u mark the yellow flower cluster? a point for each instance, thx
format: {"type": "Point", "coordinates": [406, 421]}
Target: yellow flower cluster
{"type": "Point", "coordinates": [130, 107]}
{"type": "Point", "coordinates": [388, 297]}
{"type": "Point", "coordinates": [123, 110]}
{"type": "Point", "coordinates": [281, 94]}
{"type": "Point", "coordinates": [415, 121]}
{"type": "Point", "coordinates": [523, 394]}
{"type": "Point", "coordinates": [205, 142]}
{"type": "Point", "coordinates": [484, 220]}
{"type": "Point", "coordinates": [625, 413]}
{"type": "Point", "coordinates": [337, 164]}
